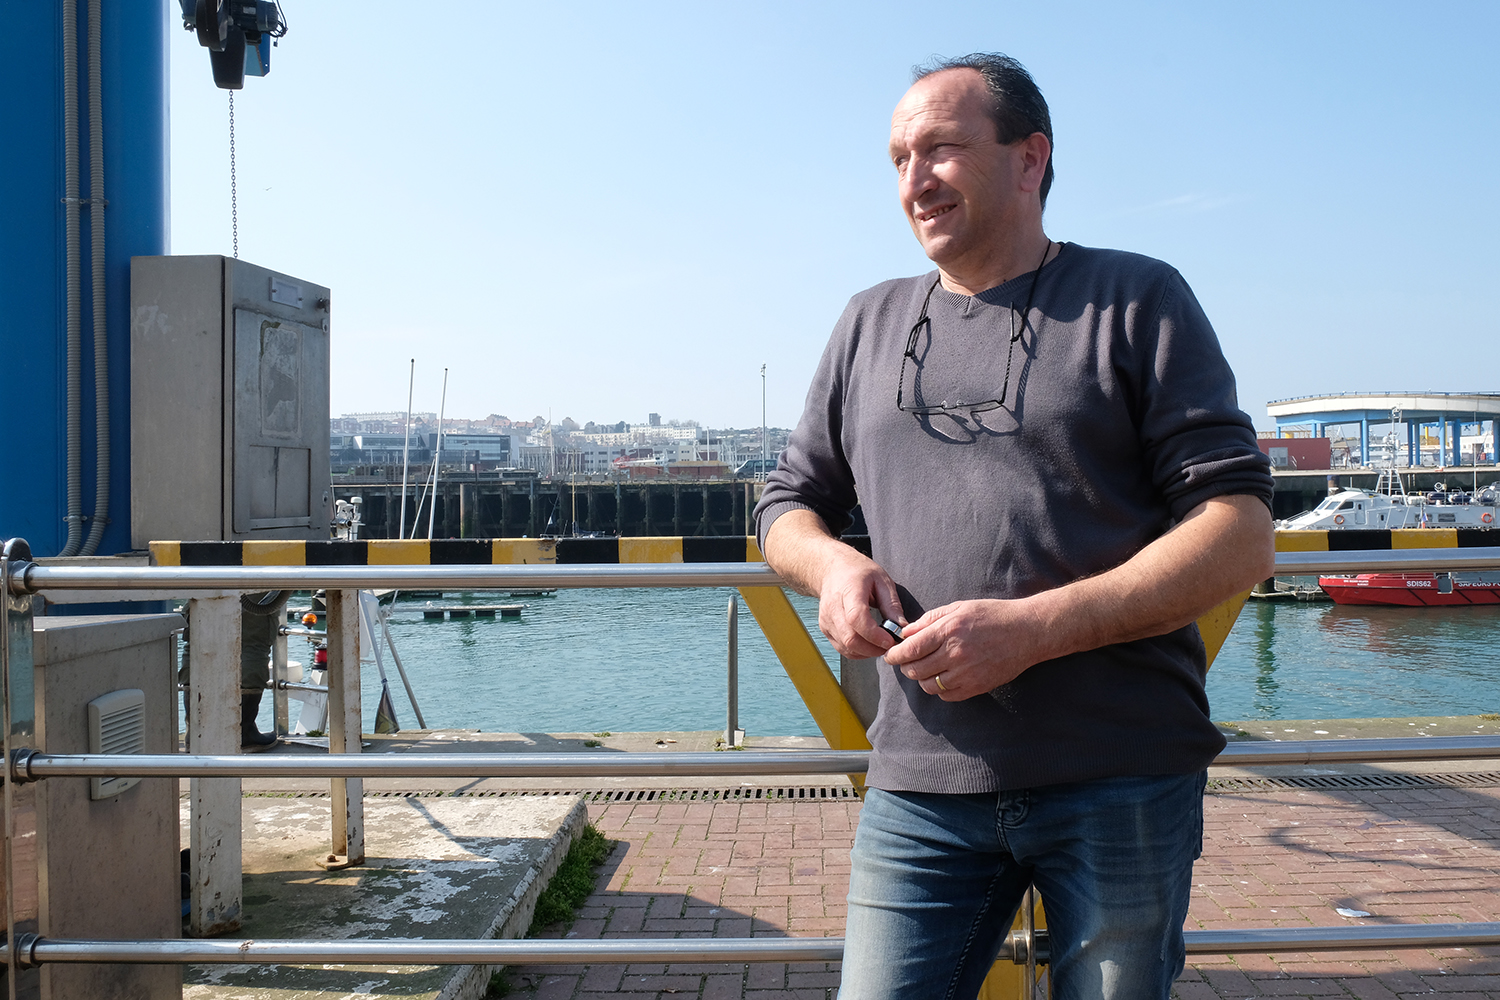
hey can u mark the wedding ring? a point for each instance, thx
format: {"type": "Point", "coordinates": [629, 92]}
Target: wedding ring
{"type": "Point", "coordinates": [938, 679]}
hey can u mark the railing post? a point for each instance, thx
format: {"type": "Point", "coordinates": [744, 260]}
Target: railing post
{"type": "Point", "coordinates": [214, 728]}
{"type": "Point", "coordinates": [19, 884]}
{"type": "Point", "coordinates": [281, 712]}
{"type": "Point", "coordinates": [344, 727]}
{"type": "Point", "coordinates": [733, 735]}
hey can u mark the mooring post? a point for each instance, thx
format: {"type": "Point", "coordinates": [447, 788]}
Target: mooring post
{"type": "Point", "coordinates": [733, 735]}
{"type": "Point", "coordinates": [214, 728]}
{"type": "Point", "coordinates": [344, 728]}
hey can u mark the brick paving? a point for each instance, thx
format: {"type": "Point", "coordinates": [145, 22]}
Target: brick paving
{"type": "Point", "coordinates": [1271, 859]}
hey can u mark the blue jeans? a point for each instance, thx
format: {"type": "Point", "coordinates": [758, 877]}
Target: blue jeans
{"type": "Point", "coordinates": [938, 879]}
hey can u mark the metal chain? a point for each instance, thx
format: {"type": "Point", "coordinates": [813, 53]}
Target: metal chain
{"type": "Point", "coordinates": [234, 195]}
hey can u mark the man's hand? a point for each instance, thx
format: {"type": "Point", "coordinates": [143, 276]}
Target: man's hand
{"type": "Point", "coordinates": [847, 584]}
{"type": "Point", "coordinates": [968, 648]}
{"type": "Point", "coordinates": [1223, 547]}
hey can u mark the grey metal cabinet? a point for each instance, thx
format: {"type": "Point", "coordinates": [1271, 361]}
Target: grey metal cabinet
{"type": "Point", "coordinates": [229, 379]}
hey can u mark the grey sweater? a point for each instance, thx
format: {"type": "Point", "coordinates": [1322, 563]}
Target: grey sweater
{"type": "Point", "coordinates": [1119, 418]}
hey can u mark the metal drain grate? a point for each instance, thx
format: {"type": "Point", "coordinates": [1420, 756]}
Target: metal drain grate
{"type": "Point", "coordinates": [821, 793]}
{"type": "Point", "coordinates": [1460, 779]}
{"type": "Point", "coordinates": [795, 793]}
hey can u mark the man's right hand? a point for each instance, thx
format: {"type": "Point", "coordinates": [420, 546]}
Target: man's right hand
{"type": "Point", "coordinates": [854, 594]}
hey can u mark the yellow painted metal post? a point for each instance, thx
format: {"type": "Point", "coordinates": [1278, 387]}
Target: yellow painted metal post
{"type": "Point", "coordinates": [1215, 624]}
{"type": "Point", "coordinates": [806, 667]}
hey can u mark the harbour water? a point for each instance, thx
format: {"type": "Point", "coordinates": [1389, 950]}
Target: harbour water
{"type": "Point", "coordinates": [653, 660]}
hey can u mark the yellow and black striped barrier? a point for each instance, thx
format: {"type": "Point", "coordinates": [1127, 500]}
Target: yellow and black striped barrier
{"type": "Point", "coordinates": [458, 552]}
{"type": "Point", "coordinates": [789, 638]}
{"type": "Point", "coordinates": [1361, 540]}
{"type": "Point", "coordinates": [686, 549]}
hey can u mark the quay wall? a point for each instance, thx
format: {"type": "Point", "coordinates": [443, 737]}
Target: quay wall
{"type": "Point", "coordinates": [476, 507]}
{"type": "Point", "coordinates": [473, 505]}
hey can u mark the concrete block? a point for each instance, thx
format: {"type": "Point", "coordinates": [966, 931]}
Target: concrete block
{"type": "Point", "coordinates": [436, 867]}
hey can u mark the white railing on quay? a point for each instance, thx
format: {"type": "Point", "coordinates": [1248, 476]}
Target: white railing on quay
{"type": "Point", "coordinates": [33, 578]}
{"type": "Point", "coordinates": [33, 950]}
{"type": "Point", "coordinates": [30, 765]}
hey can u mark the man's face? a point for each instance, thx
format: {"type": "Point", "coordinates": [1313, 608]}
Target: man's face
{"type": "Point", "coordinates": [959, 187]}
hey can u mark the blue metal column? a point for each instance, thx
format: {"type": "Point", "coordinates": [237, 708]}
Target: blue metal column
{"type": "Point", "coordinates": [32, 281]}
{"type": "Point", "coordinates": [1364, 439]}
{"type": "Point", "coordinates": [33, 503]}
{"type": "Point", "coordinates": [1458, 442]}
{"type": "Point", "coordinates": [137, 146]}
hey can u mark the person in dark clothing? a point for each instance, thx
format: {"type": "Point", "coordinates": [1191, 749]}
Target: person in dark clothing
{"type": "Point", "coordinates": [1046, 446]}
{"type": "Point", "coordinates": [261, 614]}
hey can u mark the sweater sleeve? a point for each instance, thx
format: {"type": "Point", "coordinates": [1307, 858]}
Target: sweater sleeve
{"type": "Point", "coordinates": [813, 473]}
{"type": "Point", "coordinates": [1198, 443]}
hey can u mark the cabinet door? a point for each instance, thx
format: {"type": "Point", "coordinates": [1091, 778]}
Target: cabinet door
{"type": "Point", "coordinates": [280, 424]}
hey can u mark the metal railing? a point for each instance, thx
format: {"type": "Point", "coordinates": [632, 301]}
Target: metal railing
{"type": "Point", "coordinates": [31, 578]}
{"type": "Point", "coordinates": [30, 765]}
{"type": "Point", "coordinates": [30, 950]}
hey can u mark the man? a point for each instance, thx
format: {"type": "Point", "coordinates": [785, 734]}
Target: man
{"type": "Point", "coordinates": [1057, 480]}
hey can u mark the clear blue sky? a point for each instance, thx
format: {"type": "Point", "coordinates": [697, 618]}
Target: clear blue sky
{"type": "Point", "coordinates": [604, 210]}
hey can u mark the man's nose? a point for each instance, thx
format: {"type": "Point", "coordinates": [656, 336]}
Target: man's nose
{"type": "Point", "coordinates": [917, 179]}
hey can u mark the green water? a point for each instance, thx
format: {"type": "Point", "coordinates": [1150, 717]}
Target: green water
{"type": "Point", "coordinates": [1324, 660]}
{"type": "Point", "coordinates": [644, 660]}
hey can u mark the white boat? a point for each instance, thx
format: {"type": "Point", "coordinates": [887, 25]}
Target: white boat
{"type": "Point", "coordinates": [1373, 509]}
{"type": "Point", "coordinates": [1389, 506]}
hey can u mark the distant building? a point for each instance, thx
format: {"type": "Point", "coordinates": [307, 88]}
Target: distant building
{"type": "Point", "coordinates": [1437, 428]}
{"type": "Point", "coordinates": [1298, 452]}
{"type": "Point", "coordinates": [489, 450]}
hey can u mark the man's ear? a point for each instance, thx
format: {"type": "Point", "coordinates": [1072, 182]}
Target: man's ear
{"type": "Point", "coordinates": [1036, 151]}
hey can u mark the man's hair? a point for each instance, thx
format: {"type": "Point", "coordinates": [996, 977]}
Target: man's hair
{"type": "Point", "coordinates": [1017, 106]}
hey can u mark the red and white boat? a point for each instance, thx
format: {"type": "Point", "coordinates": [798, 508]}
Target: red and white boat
{"type": "Point", "coordinates": [1414, 590]}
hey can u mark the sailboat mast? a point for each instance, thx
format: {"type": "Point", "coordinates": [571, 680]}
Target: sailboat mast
{"type": "Point", "coordinates": [437, 455]}
{"type": "Point", "coordinates": [411, 382]}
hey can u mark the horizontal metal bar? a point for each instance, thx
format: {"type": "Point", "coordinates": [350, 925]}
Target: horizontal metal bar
{"type": "Point", "coordinates": [34, 950]}
{"type": "Point", "coordinates": [33, 578]}
{"type": "Point", "coordinates": [34, 766]}
{"type": "Point", "coordinates": [1252, 753]}
{"type": "Point", "coordinates": [41, 951]}
{"type": "Point", "coordinates": [30, 766]}
{"type": "Point", "coordinates": [1383, 561]}
{"type": "Point", "coordinates": [1282, 939]}
{"type": "Point", "coordinates": [297, 686]}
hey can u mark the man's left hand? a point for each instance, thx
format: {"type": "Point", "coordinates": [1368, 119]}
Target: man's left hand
{"type": "Point", "coordinates": [968, 648]}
